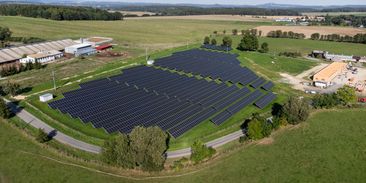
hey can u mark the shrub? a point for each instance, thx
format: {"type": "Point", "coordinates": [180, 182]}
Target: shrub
{"type": "Point", "coordinates": [213, 41]}
{"type": "Point", "coordinates": [255, 129]}
{"type": "Point", "coordinates": [325, 101]}
{"type": "Point", "coordinates": [4, 109]}
{"type": "Point", "coordinates": [346, 95]}
{"type": "Point", "coordinates": [42, 136]}
{"type": "Point", "coordinates": [296, 110]}
{"type": "Point", "coordinates": [201, 152]}
{"type": "Point", "coordinates": [264, 48]}
{"type": "Point", "coordinates": [206, 40]}
{"type": "Point", "coordinates": [290, 54]}
{"type": "Point", "coordinates": [243, 138]}
{"type": "Point", "coordinates": [227, 41]}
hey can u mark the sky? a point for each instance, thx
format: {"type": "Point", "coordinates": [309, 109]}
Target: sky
{"type": "Point", "coordinates": [254, 2]}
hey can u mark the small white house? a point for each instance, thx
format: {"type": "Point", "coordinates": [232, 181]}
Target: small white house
{"type": "Point", "coordinates": [46, 97]}
{"type": "Point", "coordinates": [150, 62]}
{"type": "Point", "coordinates": [81, 49]}
{"type": "Point", "coordinates": [42, 57]}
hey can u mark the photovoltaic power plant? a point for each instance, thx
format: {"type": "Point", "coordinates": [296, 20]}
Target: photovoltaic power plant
{"type": "Point", "coordinates": [150, 96]}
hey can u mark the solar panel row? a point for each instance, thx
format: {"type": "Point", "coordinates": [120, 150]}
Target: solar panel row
{"type": "Point", "coordinates": [268, 86]}
{"type": "Point", "coordinates": [216, 47]}
{"type": "Point", "coordinates": [265, 100]}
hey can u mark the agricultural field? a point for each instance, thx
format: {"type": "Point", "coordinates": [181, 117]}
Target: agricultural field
{"type": "Point", "coordinates": [308, 30]}
{"type": "Point", "coordinates": [244, 18]}
{"type": "Point", "coordinates": [138, 34]}
{"type": "Point", "coordinates": [326, 148]}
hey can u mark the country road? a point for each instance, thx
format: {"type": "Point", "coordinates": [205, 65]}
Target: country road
{"type": "Point", "coordinates": [65, 139]}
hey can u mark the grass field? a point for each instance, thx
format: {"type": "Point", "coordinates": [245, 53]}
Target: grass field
{"type": "Point", "coordinates": [154, 34]}
{"type": "Point", "coordinates": [305, 46]}
{"type": "Point", "coordinates": [329, 147]}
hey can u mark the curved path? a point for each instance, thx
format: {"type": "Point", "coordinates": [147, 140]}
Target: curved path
{"type": "Point", "coordinates": [65, 139]}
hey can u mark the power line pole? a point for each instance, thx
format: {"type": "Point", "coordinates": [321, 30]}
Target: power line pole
{"type": "Point", "coordinates": [54, 80]}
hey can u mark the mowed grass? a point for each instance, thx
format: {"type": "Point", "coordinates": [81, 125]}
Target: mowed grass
{"type": "Point", "coordinates": [306, 46]}
{"type": "Point", "coordinates": [329, 147]}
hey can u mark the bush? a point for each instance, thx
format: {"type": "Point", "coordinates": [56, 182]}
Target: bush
{"type": "Point", "coordinates": [179, 164]}
{"type": "Point", "coordinates": [227, 41]}
{"type": "Point", "coordinates": [296, 110]}
{"type": "Point", "coordinates": [206, 40]}
{"type": "Point", "coordinates": [42, 136]}
{"type": "Point", "coordinates": [11, 88]}
{"type": "Point", "coordinates": [325, 101]}
{"type": "Point", "coordinates": [346, 95]}
{"type": "Point", "coordinates": [255, 129]}
{"type": "Point", "coordinates": [144, 148]}
{"type": "Point", "coordinates": [264, 48]}
{"type": "Point", "coordinates": [4, 109]}
{"type": "Point", "coordinates": [242, 139]}
{"type": "Point", "coordinates": [201, 152]}
{"type": "Point", "coordinates": [290, 54]}
{"type": "Point", "coordinates": [213, 41]}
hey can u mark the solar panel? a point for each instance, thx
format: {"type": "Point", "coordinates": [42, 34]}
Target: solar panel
{"type": "Point", "coordinates": [268, 86]}
{"type": "Point", "coordinates": [265, 100]}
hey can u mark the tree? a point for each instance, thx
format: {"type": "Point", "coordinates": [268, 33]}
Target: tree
{"type": "Point", "coordinates": [206, 40]}
{"type": "Point", "coordinates": [201, 152]}
{"type": "Point", "coordinates": [296, 110]}
{"type": "Point", "coordinates": [144, 147]}
{"type": "Point", "coordinates": [315, 36]}
{"type": "Point", "coordinates": [227, 41]}
{"type": "Point", "coordinates": [42, 136]}
{"type": "Point", "coordinates": [325, 100]}
{"type": "Point", "coordinates": [255, 128]}
{"type": "Point", "coordinates": [148, 146]}
{"type": "Point", "coordinates": [5, 34]}
{"type": "Point", "coordinates": [248, 43]}
{"type": "Point", "coordinates": [11, 88]}
{"type": "Point", "coordinates": [213, 41]}
{"type": "Point", "coordinates": [4, 109]}
{"type": "Point", "coordinates": [346, 95]}
{"type": "Point", "coordinates": [264, 47]}
{"type": "Point", "coordinates": [123, 154]}
{"type": "Point", "coordinates": [109, 154]}
{"type": "Point", "coordinates": [235, 32]}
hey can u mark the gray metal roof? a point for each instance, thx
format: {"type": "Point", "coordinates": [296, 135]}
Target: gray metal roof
{"type": "Point", "coordinates": [15, 53]}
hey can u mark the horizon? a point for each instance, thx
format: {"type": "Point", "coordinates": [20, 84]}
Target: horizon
{"type": "Point", "coordinates": [239, 3]}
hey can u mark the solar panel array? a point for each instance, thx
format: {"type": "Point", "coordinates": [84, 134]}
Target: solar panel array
{"type": "Point", "coordinates": [15, 53]}
{"type": "Point", "coordinates": [216, 47]}
{"type": "Point", "coordinates": [209, 64]}
{"type": "Point", "coordinates": [147, 96]}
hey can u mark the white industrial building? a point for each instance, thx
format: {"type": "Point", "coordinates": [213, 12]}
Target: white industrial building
{"type": "Point", "coordinates": [14, 54]}
{"type": "Point", "coordinates": [42, 57]}
{"type": "Point", "coordinates": [95, 41]}
{"type": "Point", "coordinates": [81, 49]}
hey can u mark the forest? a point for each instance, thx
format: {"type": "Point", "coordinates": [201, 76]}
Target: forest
{"type": "Point", "coordinates": [58, 12]}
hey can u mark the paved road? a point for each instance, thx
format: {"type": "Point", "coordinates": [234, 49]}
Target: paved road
{"type": "Point", "coordinates": [65, 139]}
{"type": "Point", "coordinates": [59, 136]}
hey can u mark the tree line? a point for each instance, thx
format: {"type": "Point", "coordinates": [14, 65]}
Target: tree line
{"type": "Point", "coordinates": [345, 20]}
{"type": "Point", "coordinates": [284, 34]}
{"type": "Point", "coordinates": [358, 38]}
{"type": "Point", "coordinates": [165, 10]}
{"type": "Point", "coordinates": [11, 69]}
{"type": "Point", "coordinates": [58, 12]}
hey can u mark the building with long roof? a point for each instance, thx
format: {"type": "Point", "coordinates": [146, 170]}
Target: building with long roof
{"type": "Point", "coordinates": [324, 77]}
{"type": "Point", "coordinates": [14, 54]}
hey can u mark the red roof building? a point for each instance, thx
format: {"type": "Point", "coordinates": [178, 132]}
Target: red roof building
{"type": "Point", "coordinates": [103, 47]}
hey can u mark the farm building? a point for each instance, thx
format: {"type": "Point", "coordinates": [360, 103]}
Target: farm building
{"type": "Point", "coordinates": [42, 57]}
{"type": "Point", "coordinates": [324, 77]}
{"type": "Point", "coordinates": [103, 47]}
{"type": "Point", "coordinates": [335, 57]}
{"type": "Point", "coordinates": [14, 54]}
{"type": "Point", "coordinates": [80, 49]}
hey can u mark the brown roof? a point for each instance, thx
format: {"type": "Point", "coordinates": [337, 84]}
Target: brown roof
{"type": "Point", "coordinates": [329, 72]}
